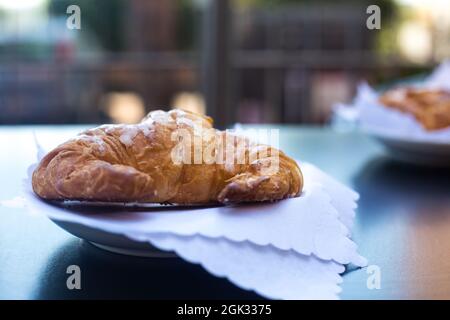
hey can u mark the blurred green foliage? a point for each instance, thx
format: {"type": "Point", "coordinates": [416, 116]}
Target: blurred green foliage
{"type": "Point", "coordinates": [387, 6]}
{"type": "Point", "coordinates": [103, 18]}
{"type": "Point", "coordinates": [188, 24]}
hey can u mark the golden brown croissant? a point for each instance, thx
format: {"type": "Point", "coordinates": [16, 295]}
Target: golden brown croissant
{"type": "Point", "coordinates": [431, 107]}
{"type": "Point", "coordinates": [145, 163]}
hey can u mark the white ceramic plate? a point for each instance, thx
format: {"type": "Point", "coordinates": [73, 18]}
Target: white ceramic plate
{"type": "Point", "coordinates": [113, 242]}
{"type": "Point", "coordinates": [412, 150]}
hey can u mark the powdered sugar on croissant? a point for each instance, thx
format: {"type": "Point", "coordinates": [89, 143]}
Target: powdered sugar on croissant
{"type": "Point", "coordinates": [170, 157]}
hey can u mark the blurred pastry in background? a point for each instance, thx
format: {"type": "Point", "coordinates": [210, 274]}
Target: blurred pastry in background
{"type": "Point", "coordinates": [431, 107]}
{"type": "Point", "coordinates": [134, 163]}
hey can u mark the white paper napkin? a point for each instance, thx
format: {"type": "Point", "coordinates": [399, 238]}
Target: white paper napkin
{"type": "Point", "coordinates": [268, 271]}
{"type": "Point", "coordinates": [291, 249]}
{"type": "Point", "coordinates": [375, 117]}
{"type": "Point", "coordinates": [308, 225]}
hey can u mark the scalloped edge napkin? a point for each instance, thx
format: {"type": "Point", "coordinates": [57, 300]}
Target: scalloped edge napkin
{"type": "Point", "coordinates": [291, 249]}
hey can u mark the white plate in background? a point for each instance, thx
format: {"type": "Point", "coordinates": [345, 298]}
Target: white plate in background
{"type": "Point", "coordinates": [413, 150]}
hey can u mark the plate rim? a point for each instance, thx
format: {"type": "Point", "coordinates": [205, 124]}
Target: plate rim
{"type": "Point", "coordinates": [397, 137]}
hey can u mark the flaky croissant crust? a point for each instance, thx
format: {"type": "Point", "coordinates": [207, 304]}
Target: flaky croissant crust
{"type": "Point", "coordinates": [135, 163]}
{"type": "Point", "coordinates": [431, 107]}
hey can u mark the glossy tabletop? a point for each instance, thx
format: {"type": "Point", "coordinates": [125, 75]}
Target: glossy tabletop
{"type": "Point", "coordinates": [402, 226]}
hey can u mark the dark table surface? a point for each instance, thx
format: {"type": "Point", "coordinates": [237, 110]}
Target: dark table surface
{"type": "Point", "coordinates": [402, 226]}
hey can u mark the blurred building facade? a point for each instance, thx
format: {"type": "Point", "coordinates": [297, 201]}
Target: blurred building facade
{"type": "Point", "coordinates": [245, 60]}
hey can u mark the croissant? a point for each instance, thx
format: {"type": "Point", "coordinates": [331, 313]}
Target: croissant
{"type": "Point", "coordinates": [431, 107]}
{"type": "Point", "coordinates": [145, 163]}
